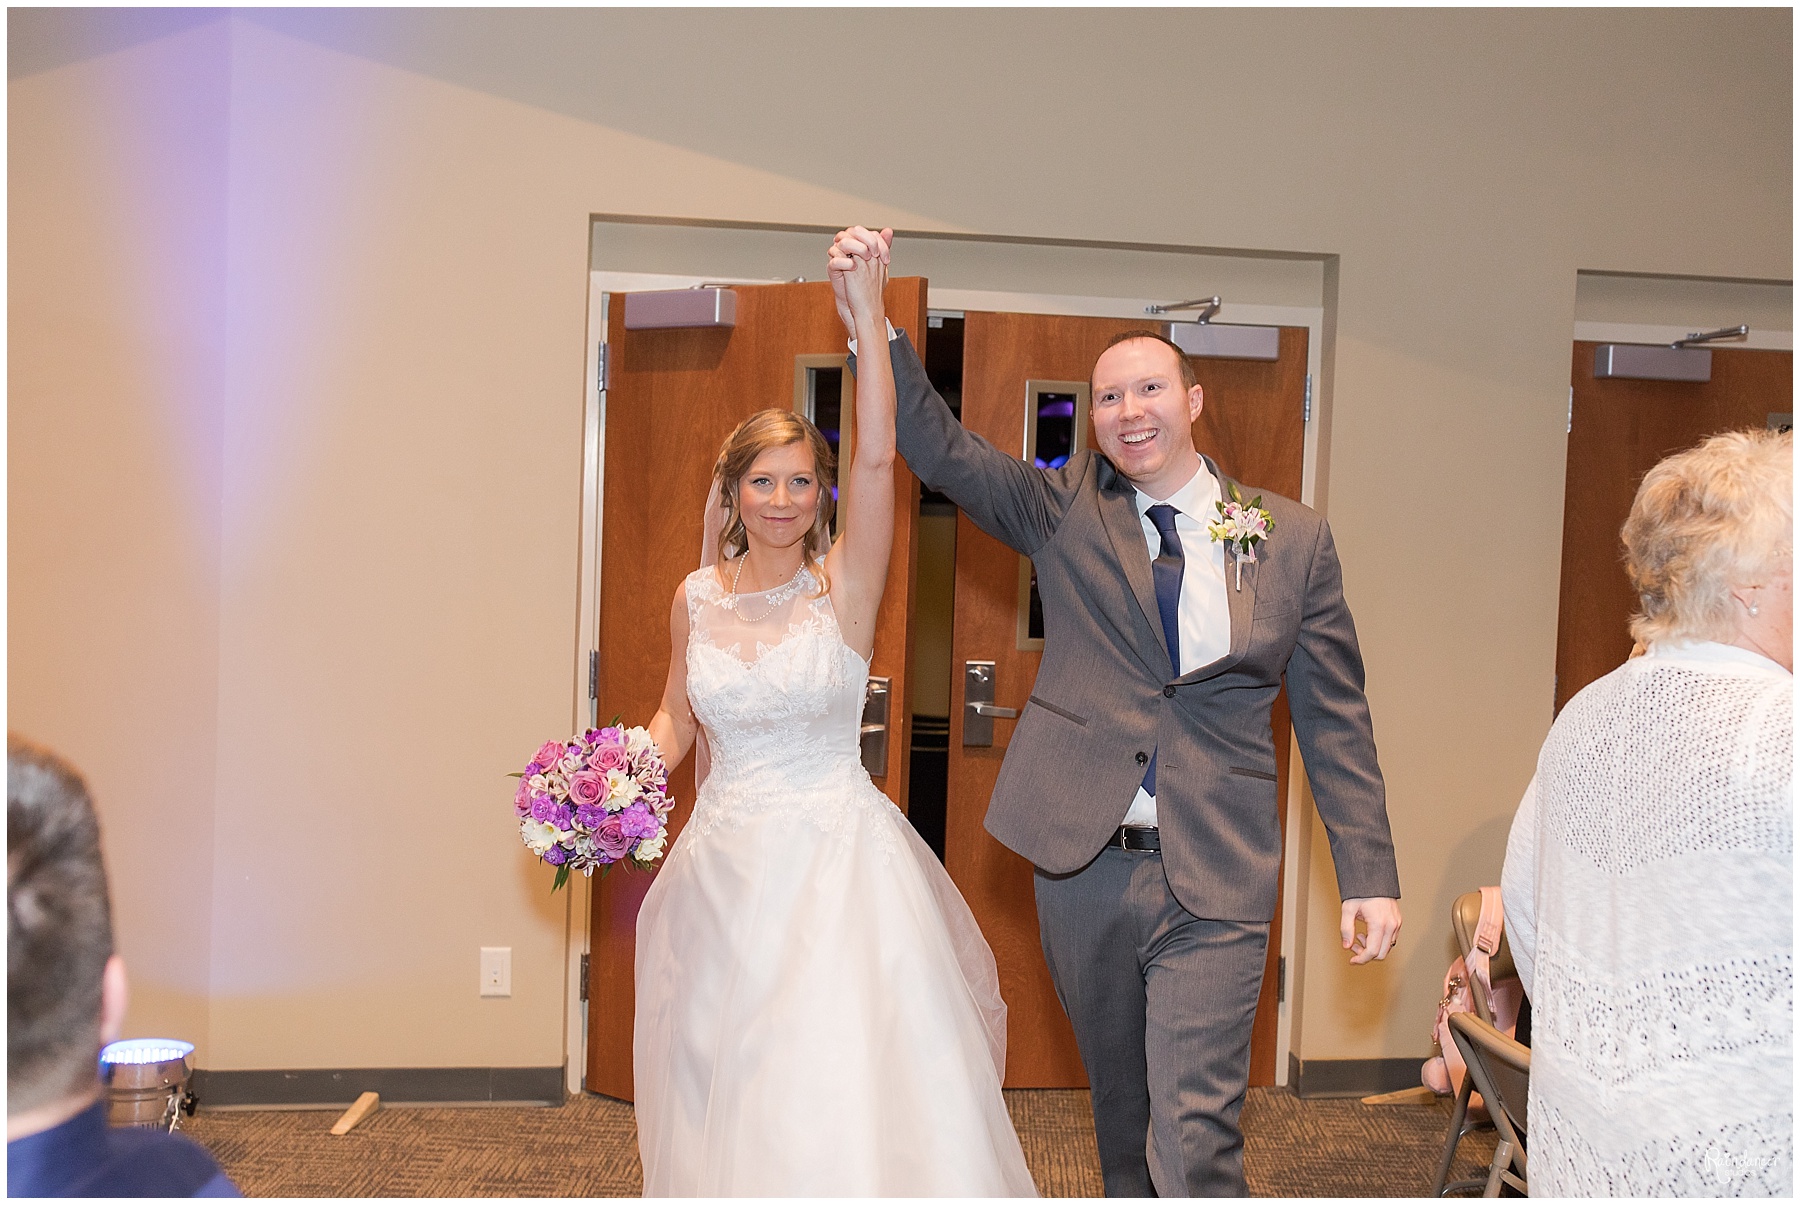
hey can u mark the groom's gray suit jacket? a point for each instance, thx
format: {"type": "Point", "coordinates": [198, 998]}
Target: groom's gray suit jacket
{"type": "Point", "coordinates": [1106, 695]}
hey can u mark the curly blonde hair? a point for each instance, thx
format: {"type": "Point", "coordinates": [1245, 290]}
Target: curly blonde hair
{"type": "Point", "coordinates": [755, 435]}
{"type": "Point", "coordinates": [1716, 516]}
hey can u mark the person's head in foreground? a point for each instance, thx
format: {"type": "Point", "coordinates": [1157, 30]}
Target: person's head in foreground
{"type": "Point", "coordinates": [1709, 546]}
{"type": "Point", "coordinates": [65, 999]}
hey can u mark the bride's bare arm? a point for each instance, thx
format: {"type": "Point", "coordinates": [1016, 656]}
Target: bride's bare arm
{"type": "Point", "coordinates": [674, 725]}
{"type": "Point", "coordinates": [858, 562]}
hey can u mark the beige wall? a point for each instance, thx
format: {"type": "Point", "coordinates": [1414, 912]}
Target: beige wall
{"type": "Point", "coordinates": [1700, 305]}
{"type": "Point", "coordinates": [302, 295]}
{"type": "Point", "coordinates": [116, 280]}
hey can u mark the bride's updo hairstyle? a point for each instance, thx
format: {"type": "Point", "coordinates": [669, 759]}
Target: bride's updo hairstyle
{"type": "Point", "coordinates": [755, 435]}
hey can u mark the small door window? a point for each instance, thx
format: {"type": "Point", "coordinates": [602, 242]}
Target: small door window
{"type": "Point", "coordinates": [1056, 418]}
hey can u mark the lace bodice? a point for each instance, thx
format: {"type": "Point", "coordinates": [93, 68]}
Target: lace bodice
{"type": "Point", "coordinates": [780, 695]}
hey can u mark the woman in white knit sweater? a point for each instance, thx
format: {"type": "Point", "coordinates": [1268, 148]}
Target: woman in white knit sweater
{"type": "Point", "coordinates": [1649, 875]}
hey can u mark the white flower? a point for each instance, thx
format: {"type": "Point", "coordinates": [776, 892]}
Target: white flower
{"type": "Point", "coordinates": [538, 835]}
{"type": "Point", "coordinates": [571, 762]}
{"type": "Point", "coordinates": [637, 740]}
{"type": "Point", "coordinates": [650, 850]}
{"type": "Point", "coordinates": [539, 784]}
{"type": "Point", "coordinates": [621, 789]}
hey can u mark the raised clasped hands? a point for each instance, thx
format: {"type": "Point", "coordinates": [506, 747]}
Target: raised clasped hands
{"type": "Point", "coordinates": [1381, 920]}
{"type": "Point", "coordinates": [859, 263]}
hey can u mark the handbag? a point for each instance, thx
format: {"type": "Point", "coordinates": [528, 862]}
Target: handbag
{"type": "Point", "coordinates": [1443, 1073]}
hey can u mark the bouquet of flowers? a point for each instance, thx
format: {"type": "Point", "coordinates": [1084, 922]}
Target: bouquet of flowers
{"type": "Point", "coordinates": [595, 800]}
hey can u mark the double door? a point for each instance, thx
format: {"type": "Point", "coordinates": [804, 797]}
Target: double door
{"type": "Point", "coordinates": [673, 395]}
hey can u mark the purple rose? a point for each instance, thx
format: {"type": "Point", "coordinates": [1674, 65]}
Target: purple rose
{"type": "Point", "coordinates": [638, 822]}
{"type": "Point", "coordinates": [550, 754]}
{"type": "Point", "coordinates": [556, 855]}
{"type": "Point", "coordinates": [587, 787]}
{"type": "Point", "coordinates": [522, 800]}
{"type": "Point", "coordinates": [609, 757]}
{"type": "Point", "coordinates": [543, 808]}
{"type": "Point", "coordinates": [610, 837]}
{"type": "Point", "coordinates": [589, 816]}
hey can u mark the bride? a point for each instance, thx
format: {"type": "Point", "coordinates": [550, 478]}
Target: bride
{"type": "Point", "coordinates": [817, 1012]}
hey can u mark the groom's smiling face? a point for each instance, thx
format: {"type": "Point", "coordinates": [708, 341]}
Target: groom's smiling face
{"type": "Point", "coordinates": [1143, 417]}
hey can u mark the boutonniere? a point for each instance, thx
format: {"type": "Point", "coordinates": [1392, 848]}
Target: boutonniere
{"type": "Point", "coordinates": [1242, 526]}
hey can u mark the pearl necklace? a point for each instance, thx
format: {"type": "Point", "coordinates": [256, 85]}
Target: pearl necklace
{"type": "Point", "coordinates": [737, 604]}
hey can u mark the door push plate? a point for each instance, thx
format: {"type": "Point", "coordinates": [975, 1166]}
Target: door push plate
{"type": "Point", "coordinates": [875, 727]}
{"type": "Point", "coordinates": [979, 712]}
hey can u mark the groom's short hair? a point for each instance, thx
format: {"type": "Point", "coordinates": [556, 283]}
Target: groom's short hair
{"type": "Point", "coordinates": [1188, 378]}
{"type": "Point", "coordinates": [58, 929]}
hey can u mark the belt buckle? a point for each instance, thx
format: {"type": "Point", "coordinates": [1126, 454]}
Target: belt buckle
{"type": "Point", "coordinates": [1137, 838]}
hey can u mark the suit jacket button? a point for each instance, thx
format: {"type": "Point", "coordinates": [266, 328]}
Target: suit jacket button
{"type": "Point", "coordinates": [1143, 757]}
{"type": "Point", "coordinates": [1168, 692]}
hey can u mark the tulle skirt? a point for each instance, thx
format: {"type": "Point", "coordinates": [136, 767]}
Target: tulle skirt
{"type": "Point", "coordinates": [818, 1014]}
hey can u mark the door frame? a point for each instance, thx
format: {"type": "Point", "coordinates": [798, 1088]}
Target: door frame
{"type": "Point", "coordinates": [942, 303]}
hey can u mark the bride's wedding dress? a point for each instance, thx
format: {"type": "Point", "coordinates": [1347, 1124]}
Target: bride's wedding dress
{"type": "Point", "coordinates": [817, 1012]}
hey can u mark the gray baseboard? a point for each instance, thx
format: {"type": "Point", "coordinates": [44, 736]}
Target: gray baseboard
{"type": "Point", "coordinates": [397, 1085]}
{"type": "Point", "coordinates": [1316, 1078]}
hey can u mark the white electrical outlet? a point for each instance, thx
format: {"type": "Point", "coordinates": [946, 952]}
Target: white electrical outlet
{"type": "Point", "coordinates": [496, 970]}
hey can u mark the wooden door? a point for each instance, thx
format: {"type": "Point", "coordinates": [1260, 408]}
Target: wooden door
{"type": "Point", "coordinates": [672, 397]}
{"type": "Point", "coordinates": [1253, 426]}
{"type": "Point", "coordinates": [1619, 429]}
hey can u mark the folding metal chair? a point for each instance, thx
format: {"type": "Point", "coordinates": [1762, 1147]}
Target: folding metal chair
{"type": "Point", "coordinates": [1501, 1071]}
{"type": "Point", "coordinates": [1465, 913]}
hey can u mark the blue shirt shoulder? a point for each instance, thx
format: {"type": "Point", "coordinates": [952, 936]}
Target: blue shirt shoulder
{"type": "Point", "coordinates": [84, 1157]}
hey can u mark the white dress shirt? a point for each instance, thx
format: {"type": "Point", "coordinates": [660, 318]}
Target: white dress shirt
{"type": "Point", "coordinates": [1205, 613]}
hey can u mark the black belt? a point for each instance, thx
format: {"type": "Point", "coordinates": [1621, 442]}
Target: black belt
{"type": "Point", "coordinates": [1137, 836]}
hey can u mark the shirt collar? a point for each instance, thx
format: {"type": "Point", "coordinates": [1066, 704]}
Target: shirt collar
{"type": "Point", "coordinates": [1195, 499]}
{"type": "Point", "coordinates": [1712, 652]}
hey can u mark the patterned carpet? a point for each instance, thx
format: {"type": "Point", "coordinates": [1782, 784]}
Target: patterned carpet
{"type": "Point", "coordinates": [588, 1147]}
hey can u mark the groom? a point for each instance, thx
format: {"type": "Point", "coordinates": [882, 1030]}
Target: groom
{"type": "Point", "coordinates": [1140, 780]}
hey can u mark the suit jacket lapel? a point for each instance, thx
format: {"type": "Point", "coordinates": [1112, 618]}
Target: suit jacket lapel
{"type": "Point", "coordinates": [1118, 513]}
{"type": "Point", "coordinates": [1242, 601]}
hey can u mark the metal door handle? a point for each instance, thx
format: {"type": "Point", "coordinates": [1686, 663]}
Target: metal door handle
{"type": "Point", "coordinates": [979, 712]}
{"type": "Point", "coordinates": [998, 713]}
{"type": "Point", "coordinates": [873, 732]}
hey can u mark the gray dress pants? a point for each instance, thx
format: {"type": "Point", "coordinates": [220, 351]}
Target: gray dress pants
{"type": "Point", "coordinates": [1163, 1003]}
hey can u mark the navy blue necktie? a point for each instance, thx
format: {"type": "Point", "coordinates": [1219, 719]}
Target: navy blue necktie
{"type": "Point", "coordinates": [1166, 572]}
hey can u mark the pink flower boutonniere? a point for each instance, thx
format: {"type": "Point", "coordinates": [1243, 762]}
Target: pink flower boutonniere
{"type": "Point", "coordinates": [1242, 526]}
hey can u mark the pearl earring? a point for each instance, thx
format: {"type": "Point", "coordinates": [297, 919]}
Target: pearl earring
{"type": "Point", "coordinates": [1753, 609]}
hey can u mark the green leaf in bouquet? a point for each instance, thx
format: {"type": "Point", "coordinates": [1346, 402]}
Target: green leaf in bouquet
{"type": "Point", "coordinates": [517, 774]}
{"type": "Point", "coordinates": [562, 876]}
